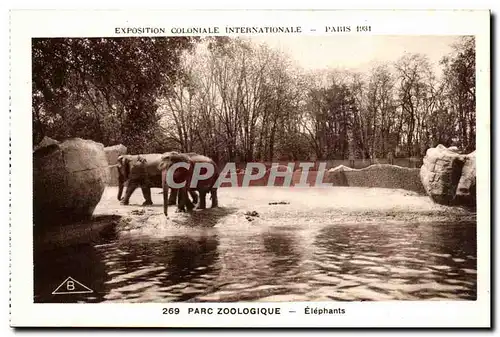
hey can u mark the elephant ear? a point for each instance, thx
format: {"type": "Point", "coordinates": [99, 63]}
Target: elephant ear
{"type": "Point", "coordinates": [123, 164]}
{"type": "Point", "coordinates": [163, 159]}
{"type": "Point", "coordinates": [119, 161]}
{"type": "Point", "coordinates": [181, 157]}
{"type": "Point", "coordinates": [173, 157]}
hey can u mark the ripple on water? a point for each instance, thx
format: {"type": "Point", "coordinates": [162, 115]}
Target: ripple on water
{"type": "Point", "coordinates": [367, 294]}
{"type": "Point", "coordinates": [442, 267]}
{"type": "Point", "coordinates": [115, 272]}
{"type": "Point", "coordinates": [333, 256]}
{"type": "Point", "coordinates": [328, 266]}
{"type": "Point", "coordinates": [405, 288]}
{"type": "Point", "coordinates": [374, 254]}
{"type": "Point", "coordinates": [231, 296]}
{"type": "Point", "coordinates": [134, 275]}
{"type": "Point", "coordinates": [345, 284]}
{"type": "Point", "coordinates": [409, 272]}
{"type": "Point", "coordinates": [400, 296]}
{"type": "Point", "coordinates": [284, 298]}
{"type": "Point", "coordinates": [455, 281]}
{"type": "Point", "coordinates": [406, 259]}
{"type": "Point", "coordinates": [191, 291]}
{"type": "Point", "coordinates": [341, 295]}
{"type": "Point", "coordinates": [373, 258]}
{"type": "Point", "coordinates": [267, 287]}
{"type": "Point", "coordinates": [325, 279]}
{"type": "Point", "coordinates": [377, 269]}
{"type": "Point", "coordinates": [239, 286]}
{"type": "Point", "coordinates": [373, 277]}
{"type": "Point", "coordinates": [362, 262]}
{"type": "Point", "coordinates": [354, 278]}
{"type": "Point", "coordinates": [439, 255]}
{"type": "Point", "coordinates": [435, 287]}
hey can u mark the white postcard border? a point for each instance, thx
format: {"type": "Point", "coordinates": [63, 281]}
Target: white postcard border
{"type": "Point", "coordinates": [26, 24]}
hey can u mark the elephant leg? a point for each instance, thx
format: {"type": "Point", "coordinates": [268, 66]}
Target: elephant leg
{"type": "Point", "coordinates": [203, 202]}
{"type": "Point", "coordinates": [182, 196]}
{"type": "Point", "coordinates": [121, 183]}
{"type": "Point", "coordinates": [131, 186]}
{"type": "Point", "coordinates": [184, 203]}
{"type": "Point", "coordinates": [120, 191]}
{"type": "Point", "coordinates": [188, 203]}
{"type": "Point", "coordinates": [194, 196]}
{"type": "Point", "coordinates": [165, 200]}
{"type": "Point", "coordinates": [146, 192]}
{"type": "Point", "coordinates": [172, 200]}
{"type": "Point", "coordinates": [215, 200]}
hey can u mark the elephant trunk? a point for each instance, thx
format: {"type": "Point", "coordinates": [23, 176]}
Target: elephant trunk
{"type": "Point", "coordinates": [165, 191]}
{"type": "Point", "coordinates": [121, 182]}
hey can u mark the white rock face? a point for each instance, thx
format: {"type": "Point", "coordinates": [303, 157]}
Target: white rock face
{"type": "Point", "coordinates": [466, 190]}
{"type": "Point", "coordinates": [69, 180]}
{"type": "Point", "coordinates": [112, 154]}
{"type": "Point", "coordinates": [448, 176]}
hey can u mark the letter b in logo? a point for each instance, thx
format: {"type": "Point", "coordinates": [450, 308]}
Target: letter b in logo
{"type": "Point", "coordinates": [70, 286]}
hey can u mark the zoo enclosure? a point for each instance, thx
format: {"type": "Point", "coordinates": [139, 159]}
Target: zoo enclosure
{"type": "Point", "coordinates": [411, 162]}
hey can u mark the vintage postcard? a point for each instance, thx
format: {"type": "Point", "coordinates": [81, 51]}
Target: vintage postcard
{"type": "Point", "coordinates": [250, 168]}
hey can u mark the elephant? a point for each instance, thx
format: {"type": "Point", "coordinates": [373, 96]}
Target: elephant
{"type": "Point", "coordinates": [141, 170]}
{"type": "Point", "coordinates": [185, 175]}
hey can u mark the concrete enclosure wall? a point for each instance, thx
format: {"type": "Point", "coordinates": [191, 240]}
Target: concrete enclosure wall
{"type": "Point", "coordinates": [382, 175]}
{"type": "Point", "coordinates": [112, 154]}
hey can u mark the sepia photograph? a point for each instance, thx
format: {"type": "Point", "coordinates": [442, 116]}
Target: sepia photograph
{"type": "Point", "coordinates": [242, 169]}
{"type": "Point", "coordinates": [346, 166]}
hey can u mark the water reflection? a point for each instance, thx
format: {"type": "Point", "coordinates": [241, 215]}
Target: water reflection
{"type": "Point", "coordinates": [174, 268]}
{"type": "Point", "coordinates": [372, 262]}
{"type": "Point", "coordinates": [282, 251]}
{"type": "Point", "coordinates": [294, 263]}
{"type": "Point", "coordinates": [82, 262]}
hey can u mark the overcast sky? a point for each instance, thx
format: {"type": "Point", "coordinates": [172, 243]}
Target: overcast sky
{"type": "Point", "coordinates": [357, 52]}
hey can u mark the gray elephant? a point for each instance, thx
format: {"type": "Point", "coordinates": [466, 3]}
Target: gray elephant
{"type": "Point", "coordinates": [185, 175]}
{"type": "Point", "coordinates": [141, 170]}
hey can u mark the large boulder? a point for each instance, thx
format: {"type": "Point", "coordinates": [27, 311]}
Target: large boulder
{"type": "Point", "coordinates": [466, 189]}
{"type": "Point", "coordinates": [46, 142]}
{"type": "Point", "coordinates": [69, 179]}
{"type": "Point", "coordinates": [112, 154]}
{"type": "Point", "coordinates": [448, 176]}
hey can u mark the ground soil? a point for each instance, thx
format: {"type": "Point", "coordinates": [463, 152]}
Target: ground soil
{"type": "Point", "coordinates": [280, 206]}
{"type": "Point", "coordinates": [244, 208]}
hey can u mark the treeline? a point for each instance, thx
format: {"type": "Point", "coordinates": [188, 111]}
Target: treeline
{"type": "Point", "coordinates": [237, 101]}
{"type": "Point", "coordinates": [103, 89]}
